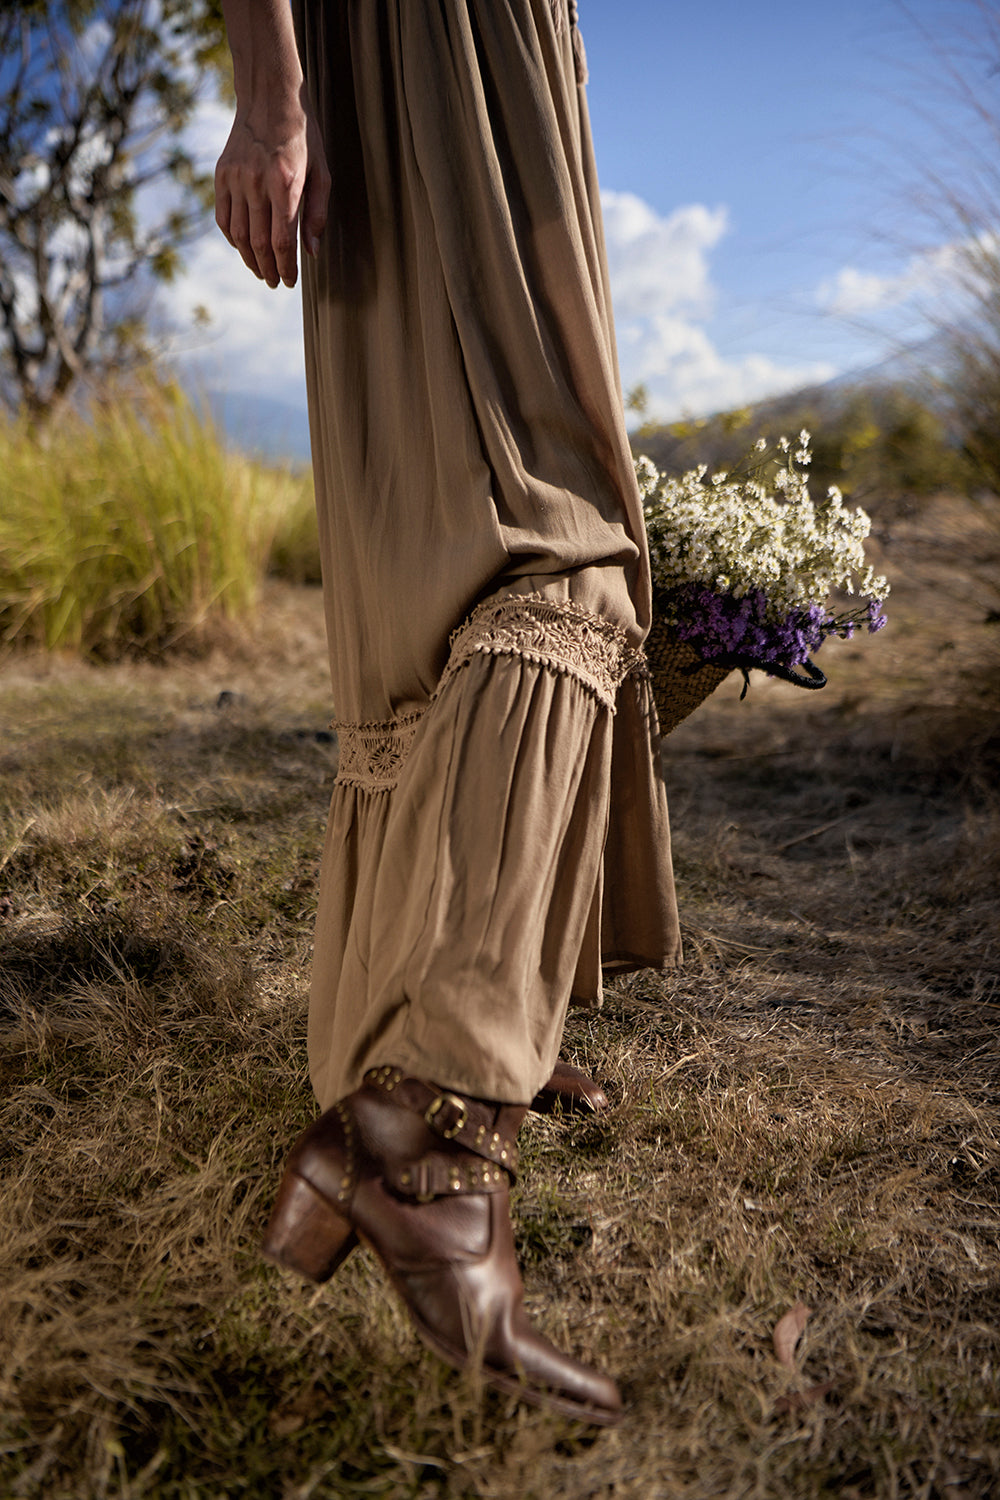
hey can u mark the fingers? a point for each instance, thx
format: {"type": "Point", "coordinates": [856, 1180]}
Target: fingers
{"type": "Point", "coordinates": [239, 234]}
{"type": "Point", "coordinates": [284, 243]}
{"type": "Point", "coordinates": [261, 233]}
{"type": "Point", "coordinates": [232, 209]}
{"type": "Point", "coordinates": [223, 205]}
{"type": "Point", "coordinates": [262, 228]}
{"type": "Point", "coordinates": [260, 241]}
{"type": "Point", "coordinates": [259, 196]}
{"type": "Point", "coordinates": [315, 200]}
{"type": "Point", "coordinates": [316, 193]}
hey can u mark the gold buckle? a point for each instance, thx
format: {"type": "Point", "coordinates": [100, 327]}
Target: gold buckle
{"type": "Point", "coordinates": [435, 1107]}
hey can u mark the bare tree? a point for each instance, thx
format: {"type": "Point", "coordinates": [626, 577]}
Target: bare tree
{"type": "Point", "coordinates": [94, 98]}
{"type": "Point", "coordinates": [956, 189]}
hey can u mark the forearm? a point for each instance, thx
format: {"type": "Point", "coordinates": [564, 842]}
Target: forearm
{"type": "Point", "coordinates": [266, 70]}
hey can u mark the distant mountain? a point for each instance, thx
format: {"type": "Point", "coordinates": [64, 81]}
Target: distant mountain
{"type": "Point", "coordinates": [262, 427]}
{"type": "Point", "coordinates": [880, 434]}
{"type": "Point", "coordinates": [919, 367]}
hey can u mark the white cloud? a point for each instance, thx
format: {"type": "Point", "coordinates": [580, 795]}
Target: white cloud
{"type": "Point", "coordinates": [662, 293]}
{"type": "Point", "coordinates": [851, 292]}
{"type": "Point", "coordinates": [936, 273]}
{"type": "Point", "coordinates": [684, 372]}
{"type": "Point", "coordinates": [253, 343]}
{"type": "Point", "coordinates": [656, 264]}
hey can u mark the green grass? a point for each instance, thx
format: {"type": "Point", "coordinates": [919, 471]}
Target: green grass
{"type": "Point", "coordinates": [131, 528]}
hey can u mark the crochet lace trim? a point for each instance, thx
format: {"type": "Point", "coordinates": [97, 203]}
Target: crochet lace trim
{"type": "Point", "coordinates": [554, 633]}
{"type": "Point", "coordinates": [558, 635]}
{"type": "Point", "coordinates": [371, 756]}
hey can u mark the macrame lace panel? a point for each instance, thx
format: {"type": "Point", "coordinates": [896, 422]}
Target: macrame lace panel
{"type": "Point", "coordinates": [371, 756]}
{"type": "Point", "coordinates": [558, 635]}
{"type": "Point", "coordinates": [554, 633]}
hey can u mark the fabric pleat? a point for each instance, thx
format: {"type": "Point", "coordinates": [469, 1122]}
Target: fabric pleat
{"type": "Point", "coordinates": [476, 908]}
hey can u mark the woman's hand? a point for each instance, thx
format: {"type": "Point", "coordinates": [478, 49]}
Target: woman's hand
{"type": "Point", "coordinates": [272, 173]}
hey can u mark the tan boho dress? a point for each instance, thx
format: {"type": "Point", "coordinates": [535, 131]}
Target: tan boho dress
{"type": "Point", "coordinates": [498, 831]}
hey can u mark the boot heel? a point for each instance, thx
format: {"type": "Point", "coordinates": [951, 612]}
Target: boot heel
{"type": "Point", "coordinates": [306, 1233]}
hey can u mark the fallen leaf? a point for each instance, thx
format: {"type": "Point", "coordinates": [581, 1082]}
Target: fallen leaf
{"type": "Point", "coordinates": [788, 1331]}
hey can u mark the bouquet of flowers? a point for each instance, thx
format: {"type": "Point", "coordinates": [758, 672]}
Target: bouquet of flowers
{"type": "Point", "coordinates": [743, 577]}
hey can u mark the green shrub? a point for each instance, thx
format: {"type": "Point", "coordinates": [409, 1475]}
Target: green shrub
{"type": "Point", "coordinates": [129, 527]}
{"type": "Point", "coordinates": [294, 549]}
{"type": "Point", "coordinates": [880, 444]}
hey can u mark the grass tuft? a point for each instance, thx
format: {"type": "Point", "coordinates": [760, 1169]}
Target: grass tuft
{"type": "Point", "coordinates": [129, 528]}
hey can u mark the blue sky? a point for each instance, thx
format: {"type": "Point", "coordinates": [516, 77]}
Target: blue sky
{"type": "Point", "coordinates": [803, 124]}
{"type": "Point", "coordinates": [757, 163]}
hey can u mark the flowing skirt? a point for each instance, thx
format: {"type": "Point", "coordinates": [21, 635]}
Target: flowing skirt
{"type": "Point", "coordinates": [498, 833]}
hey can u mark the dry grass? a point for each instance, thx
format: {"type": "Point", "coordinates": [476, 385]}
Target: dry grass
{"type": "Point", "coordinates": [809, 1112]}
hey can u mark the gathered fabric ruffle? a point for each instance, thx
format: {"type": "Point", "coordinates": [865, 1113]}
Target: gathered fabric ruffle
{"type": "Point", "coordinates": [555, 633]}
{"type": "Point", "coordinates": [521, 848]}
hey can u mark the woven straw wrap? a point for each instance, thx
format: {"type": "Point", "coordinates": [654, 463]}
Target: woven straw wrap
{"type": "Point", "coordinates": [681, 680]}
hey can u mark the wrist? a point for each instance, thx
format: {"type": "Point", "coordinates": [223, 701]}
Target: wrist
{"type": "Point", "coordinates": [270, 119]}
{"type": "Point", "coordinates": [268, 90]}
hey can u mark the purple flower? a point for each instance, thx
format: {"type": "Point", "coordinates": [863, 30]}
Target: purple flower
{"type": "Point", "coordinates": [720, 625]}
{"type": "Point", "coordinates": [876, 615]}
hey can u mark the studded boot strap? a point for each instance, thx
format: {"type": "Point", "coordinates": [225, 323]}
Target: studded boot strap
{"type": "Point", "coordinates": [436, 1175]}
{"type": "Point", "coordinates": [478, 1152]}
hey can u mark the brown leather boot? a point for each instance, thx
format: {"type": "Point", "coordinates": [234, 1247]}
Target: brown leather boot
{"type": "Point", "coordinates": [422, 1176]}
{"type": "Point", "coordinates": [570, 1091]}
